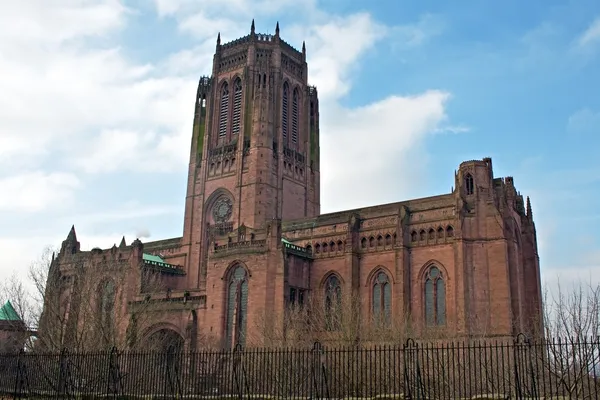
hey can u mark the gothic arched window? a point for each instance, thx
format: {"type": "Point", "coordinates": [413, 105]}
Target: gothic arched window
{"type": "Point", "coordinates": [224, 110]}
{"type": "Point", "coordinates": [435, 297]}
{"type": "Point", "coordinates": [333, 303]}
{"type": "Point", "coordinates": [107, 307]}
{"type": "Point", "coordinates": [469, 184]}
{"type": "Point", "coordinates": [237, 306]}
{"type": "Point", "coordinates": [284, 110]}
{"type": "Point", "coordinates": [382, 298]}
{"type": "Point", "coordinates": [295, 116]}
{"type": "Point", "coordinates": [237, 106]}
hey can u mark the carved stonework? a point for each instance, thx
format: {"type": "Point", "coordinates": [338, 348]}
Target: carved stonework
{"type": "Point", "coordinates": [222, 210]}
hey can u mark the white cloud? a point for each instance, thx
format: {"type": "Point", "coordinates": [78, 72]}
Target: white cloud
{"type": "Point", "coordinates": [37, 191]}
{"type": "Point", "coordinates": [374, 146]}
{"type": "Point", "coordinates": [243, 9]}
{"type": "Point", "coordinates": [31, 21]}
{"type": "Point", "coordinates": [333, 50]}
{"type": "Point", "coordinates": [590, 35]}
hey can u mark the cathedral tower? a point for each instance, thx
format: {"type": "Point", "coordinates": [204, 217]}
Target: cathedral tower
{"type": "Point", "coordinates": [255, 145]}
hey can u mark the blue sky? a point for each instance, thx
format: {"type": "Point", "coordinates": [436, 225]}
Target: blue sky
{"type": "Point", "coordinates": [97, 104]}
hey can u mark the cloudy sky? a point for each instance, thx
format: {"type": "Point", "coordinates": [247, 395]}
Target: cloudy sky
{"type": "Point", "coordinates": [96, 107]}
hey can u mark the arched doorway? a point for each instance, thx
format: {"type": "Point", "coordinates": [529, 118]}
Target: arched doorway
{"type": "Point", "coordinates": [163, 340]}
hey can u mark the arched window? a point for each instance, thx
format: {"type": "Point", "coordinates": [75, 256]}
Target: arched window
{"type": "Point", "coordinates": [382, 299]}
{"type": "Point", "coordinates": [295, 117]}
{"type": "Point", "coordinates": [237, 106]}
{"type": "Point", "coordinates": [107, 307]}
{"type": "Point", "coordinates": [440, 233]}
{"type": "Point", "coordinates": [284, 111]}
{"type": "Point", "coordinates": [224, 110]}
{"type": "Point", "coordinates": [469, 184]}
{"type": "Point", "coordinates": [333, 303]}
{"type": "Point", "coordinates": [413, 236]}
{"type": "Point", "coordinates": [435, 297]}
{"type": "Point", "coordinates": [237, 307]}
{"type": "Point", "coordinates": [363, 243]}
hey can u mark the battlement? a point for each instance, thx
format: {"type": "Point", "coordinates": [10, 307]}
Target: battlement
{"type": "Point", "coordinates": [265, 38]}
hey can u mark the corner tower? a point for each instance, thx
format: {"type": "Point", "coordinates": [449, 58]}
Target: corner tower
{"type": "Point", "coordinates": [255, 143]}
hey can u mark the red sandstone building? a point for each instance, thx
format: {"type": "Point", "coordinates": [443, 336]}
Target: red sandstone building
{"type": "Point", "coordinates": [254, 240]}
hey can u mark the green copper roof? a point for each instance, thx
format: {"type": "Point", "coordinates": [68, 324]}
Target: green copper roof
{"type": "Point", "coordinates": [158, 262]}
{"type": "Point", "coordinates": [150, 257]}
{"type": "Point", "coordinates": [8, 313]}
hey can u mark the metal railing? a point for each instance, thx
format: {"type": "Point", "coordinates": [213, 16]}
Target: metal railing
{"type": "Point", "coordinates": [515, 369]}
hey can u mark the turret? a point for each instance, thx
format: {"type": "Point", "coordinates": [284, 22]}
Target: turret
{"type": "Point", "coordinates": [70, 245]}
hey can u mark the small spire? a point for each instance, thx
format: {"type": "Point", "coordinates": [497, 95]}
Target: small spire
{"type": "Point", "coordinates": [277, 29]}
{"type": "Point", "coordinates": [303, 47]}
{"type": "Point", "coordinates": [252, 27]}
{"type": "Point", "coordinates": [219, 39]}
{"type": "Point", "coordinates": [72, 236]}
{"type": "Point", "coordinates": [529, 212]}
{"type": "Point", "coordinates": [123, 243]}
{"type": "Point", "coordinates": [52, 257]}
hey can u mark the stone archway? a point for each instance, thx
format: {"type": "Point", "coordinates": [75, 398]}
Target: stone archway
{"type": "Point", "coordinates": [163, 340]}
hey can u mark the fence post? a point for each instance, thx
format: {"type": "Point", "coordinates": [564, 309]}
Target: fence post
{"type": "Point", "coordinates": [239, 372]}
{"type": "Point", "coordinates": [318, 371]}
{"type": "Point", "coordinates": [113, 382]}
{"type": "Point", "coordinates": [411, 349]}
{"type": "Point", "coordinates": [522, 364]}
{"type": "Point", "coordinates": [21, 378]}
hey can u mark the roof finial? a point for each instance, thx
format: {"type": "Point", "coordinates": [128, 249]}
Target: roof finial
{"type": "Point", "coordinates": [277, 29]}
{"type": "Point", "coordinates": [219, 39]}
{"type": "Point", "coordinates": [529, 212]}
{"type": "Point", "coordinates": [252, 27]}
{"type": "Point", "coordinates": [303, 48]}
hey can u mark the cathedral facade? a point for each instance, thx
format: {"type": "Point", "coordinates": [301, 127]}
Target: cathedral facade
{"type": "Point", "coordinates": [254, 241]}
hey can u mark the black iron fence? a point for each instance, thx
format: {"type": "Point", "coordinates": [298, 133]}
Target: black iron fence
{"type": "Point", "coordinates": [457, 370]}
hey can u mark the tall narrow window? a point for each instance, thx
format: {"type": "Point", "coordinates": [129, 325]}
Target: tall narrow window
{"type": "Point", "coordinates": [237, 106]}
{"type": "Point", "coordinates": [469, 183]}
{"type": "Point", "coordinates": [237, 304]}
{"type": "Point", "coordinates": [107, 306]}
{"type": "Point", "coordinates": [382, 299]}
{"type": "Point", "coordinates": [284, 111]}
{"type": "Point", "coordinates": [333, 303]}
{"type": "Point", "coordinates": [295, 100]}
{"type": "Point", "coordinates": [435, 298]}
{"type": "Point", "coordinates": [224, 110]}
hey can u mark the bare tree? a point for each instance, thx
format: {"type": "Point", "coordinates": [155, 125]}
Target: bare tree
{"type": "Point", "coordinates": [571, 354]}
{"type": "Point", "coordinates": [83, 304]}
